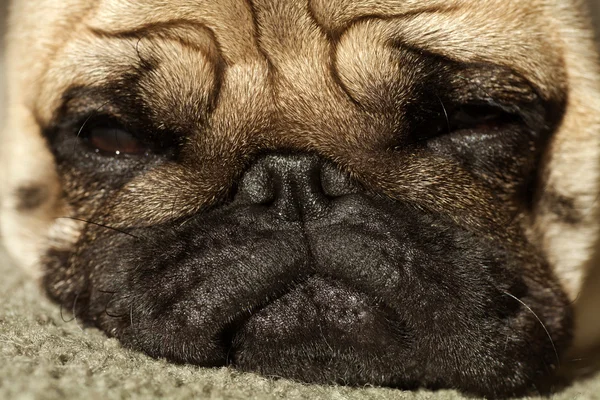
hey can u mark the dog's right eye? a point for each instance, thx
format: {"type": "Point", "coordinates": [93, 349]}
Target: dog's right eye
{"type": "Point", "coordinates": [110, 140]}
{"type": "Point", "coordinates": [108, 136]}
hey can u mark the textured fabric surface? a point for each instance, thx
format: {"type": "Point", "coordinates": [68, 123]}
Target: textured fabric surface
{"type": "Point", "coordinates": [43, 355]}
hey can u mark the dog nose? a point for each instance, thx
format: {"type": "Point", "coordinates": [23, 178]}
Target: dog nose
{"type": "Point", "coordinates": [294, 186]}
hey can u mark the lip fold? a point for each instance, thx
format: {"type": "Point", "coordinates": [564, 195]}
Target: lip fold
{"type": "Point", "coordinates": [320, 324]}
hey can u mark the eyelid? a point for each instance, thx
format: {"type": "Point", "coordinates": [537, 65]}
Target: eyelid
{"type": "Point", "coordinates": [495, 86]}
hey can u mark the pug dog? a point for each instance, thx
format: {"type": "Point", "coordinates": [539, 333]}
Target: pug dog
{"type": "Point", "coordinates": [397, 193]}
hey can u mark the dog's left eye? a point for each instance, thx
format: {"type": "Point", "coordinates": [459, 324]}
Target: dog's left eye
{"type": "Point", "coordinates": [113, 140]}
{"type": "Point", "coordinates": [471, 118]}
{"type": "Point", "coordinates": [481, 118]}
{"type": "Point", "coordinates": [474, 117]}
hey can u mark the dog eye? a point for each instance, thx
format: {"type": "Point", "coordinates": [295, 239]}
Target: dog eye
{"type": "Point", "coordinates": [475, 117]}
{"type": "Point", "coordinates": [471, 118]}
{"type": "Point", "coordinates": [112, 140]}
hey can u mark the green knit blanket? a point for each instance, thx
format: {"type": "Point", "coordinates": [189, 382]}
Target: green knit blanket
{"type": "Point", "coordinates": [44, 357]}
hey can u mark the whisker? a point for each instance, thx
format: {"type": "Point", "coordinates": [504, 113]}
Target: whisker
{"type": "Point", "coordinates": [445, 113]}
{"type": "Point", "coordinates": [107, 312]}
{"type": "Point", "coordinates": [62, 316]}
{"type": "Point", "coordinates": [108, 304]}
{"type": "Point", "coordinates": [541, 323]}
{"type": "Point", "coordinates": [75, 312]}
{"type": "Point", "coordinates": [131, 317]}
{"type": "Point", "coordinates": [93, 114]}
{"type": "Point", "coordinates": [174, 205]}
{"type": "Point", "coordinates": [102, 226]}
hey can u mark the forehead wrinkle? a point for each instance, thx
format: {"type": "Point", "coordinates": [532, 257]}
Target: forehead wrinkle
{"type": "Point", "coordinates": [85, 61]}
{"type": "Point", "coordinates": [182, 87]}
{"type": "Point", "coordinates": [314, 109]}
{"type": "Point", "coordinates": [193, 34]}
{"type": "Point", "coordinates": [469, 39]}
{"type": "Point", "coordinates": [40, 77]}
{"type": "Point", "coordinates": [461, 30]}
{"type": "Point", "coordinates": [336, 16]}
{"type": "Point", "coordinates": [231, 21]}
{"type": "Point", "coordinates": [96, 60]}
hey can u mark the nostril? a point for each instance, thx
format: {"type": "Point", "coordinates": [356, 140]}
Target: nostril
{"type": "Point", "coordinates": [257, 187]}
{"type": "Point", "coordinates": [335, 182]}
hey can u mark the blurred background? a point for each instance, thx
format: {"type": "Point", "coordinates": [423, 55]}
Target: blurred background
{"type": "Point", "coordinates": [3, 6]}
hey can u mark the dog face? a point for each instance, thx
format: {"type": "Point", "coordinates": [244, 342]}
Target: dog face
{"type": "Point", "coordinates": [391, 192]}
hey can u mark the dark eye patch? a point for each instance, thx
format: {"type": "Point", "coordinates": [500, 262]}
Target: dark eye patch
{"type": "Point", "coordinates": [94, 121]}
{"type": "Point", "coordinates": [486, 120]}
{"type": "Point", "coordinates": [457, 97]}
{"type": "Point", "coordinates": [106, 137]}
{"type": "Point", "coordinates": [104, 141]}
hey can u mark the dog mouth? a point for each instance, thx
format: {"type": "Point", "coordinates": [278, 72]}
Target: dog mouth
{"type": "Point", "coordinates": [273, 295]}
{"type": "Point", "coordinates": [319, 328]}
